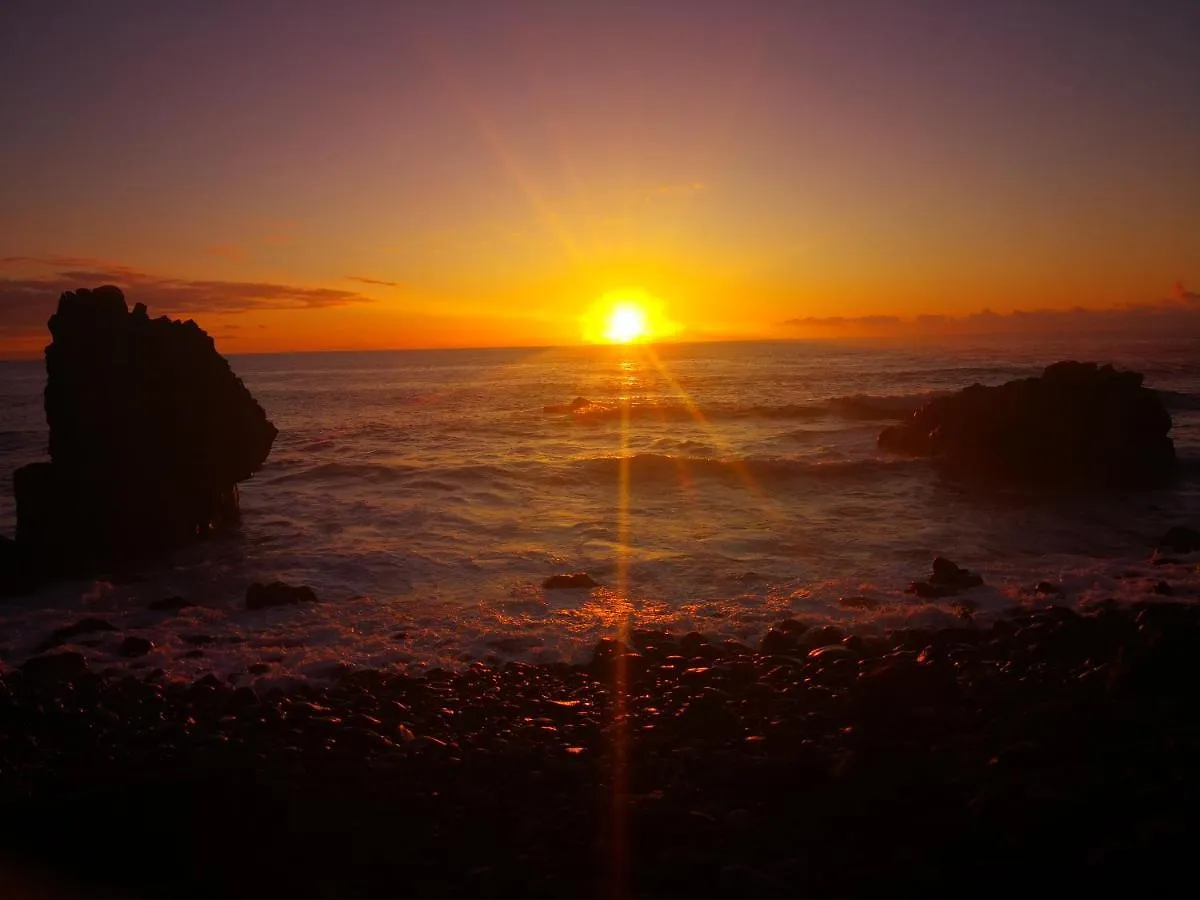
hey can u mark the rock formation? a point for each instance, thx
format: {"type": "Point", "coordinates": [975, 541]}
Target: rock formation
{"type": "Point", "coordinates": [1079, 424]}
{"type": "Point", "coordinates": [150, 433]}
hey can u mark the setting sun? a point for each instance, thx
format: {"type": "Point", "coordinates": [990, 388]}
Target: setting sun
{"type": "Point", "coordinates": [627, 316]}
{"type": "Point", "coordinates": [626, 324]}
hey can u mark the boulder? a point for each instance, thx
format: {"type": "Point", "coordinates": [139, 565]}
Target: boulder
{"type": "Point", "coordinates": [1079, 424]}
{"type": "Point", "coordinates": [150, 433]}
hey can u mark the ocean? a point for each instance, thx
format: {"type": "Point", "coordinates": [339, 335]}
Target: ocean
{"type": "Point", "coordinates": [720, 487]}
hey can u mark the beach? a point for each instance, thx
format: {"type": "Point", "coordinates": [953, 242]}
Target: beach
{"type": "Point", "coordinates": [1048, 749]}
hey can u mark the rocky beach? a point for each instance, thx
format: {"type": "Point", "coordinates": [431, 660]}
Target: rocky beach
{"type": "Point", "coordinates": [1047, 748]}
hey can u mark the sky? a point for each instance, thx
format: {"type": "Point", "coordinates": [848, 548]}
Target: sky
{"type": "Point", "coordinates": [301, 174]}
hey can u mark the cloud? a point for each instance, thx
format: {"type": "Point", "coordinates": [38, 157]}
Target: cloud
{"type": "Point", "coordinates": [1180, 313]}
{"type": "Point", "coordinates": [362, 280]}
{"type": "Point", "coordinates": [26, 302]}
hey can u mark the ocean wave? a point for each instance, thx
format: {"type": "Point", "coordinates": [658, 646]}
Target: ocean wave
{"type": "Point", "coordinates": [1179, 400]}
{"type": "Point", "coordinates": [340, 472]}
{"type": "Point", "coordinates": [651, 467]}
{"type": "Point", "coordinates": [431, 477]}
{"type": "Point", "coordinates": [854, 407]}
{"type": "Point", "coordinates": [11, 441]}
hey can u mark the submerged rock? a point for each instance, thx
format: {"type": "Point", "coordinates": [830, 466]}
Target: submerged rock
{"type": "Point", "coordinates": [278, 593]}
{"type": "Point", "coordinates": [150, 432]}
{"type": "Point", "coordinates": [571, 580]}
{"type": "Point", "coordinates": [945, 580]}
{"type": "Point", "coordinates": [574, 406]}
{"type": "Point", "coordinates": [1079, 424]}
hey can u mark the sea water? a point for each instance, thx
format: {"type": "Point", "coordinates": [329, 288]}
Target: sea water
{"type": "Point", "coordinates": [426, 495]}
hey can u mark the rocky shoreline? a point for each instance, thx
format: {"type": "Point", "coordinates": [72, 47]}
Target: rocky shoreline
{"type": "Point", "coordinates": [1047, 747]}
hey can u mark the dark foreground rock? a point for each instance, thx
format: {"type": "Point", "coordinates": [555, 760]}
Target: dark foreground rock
{"type": "Point", "coordinates": [1050, 750]}
{"type": "Point", "coordinates": [150, 433]}
{"type": "Point", "coordinates": [1079, 424]}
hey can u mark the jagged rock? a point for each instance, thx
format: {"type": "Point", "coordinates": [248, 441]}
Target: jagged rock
{"type": "Point", "coordinates": [278, 593]}
{"type": "Point", "coordinates": [1079, 424]}
{"type": "Point", "coordinates": [572, 580]}
{"type": "Point", "coordinates": [150, 432]}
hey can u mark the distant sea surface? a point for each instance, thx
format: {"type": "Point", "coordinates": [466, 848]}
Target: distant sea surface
{"type": "Point", "coordinates": [425, 496]}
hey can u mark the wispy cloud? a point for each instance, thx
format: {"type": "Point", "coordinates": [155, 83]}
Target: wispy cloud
{"type": "Point", "coordinates": [375, 281]}
{"type": "Point", "coordinates": [27, 301]}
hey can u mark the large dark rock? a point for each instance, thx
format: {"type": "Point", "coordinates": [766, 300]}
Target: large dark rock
{"type": "Point", "coordinates": [150, 433]}
{"type": "Point", "coordinates": [1079, 424]}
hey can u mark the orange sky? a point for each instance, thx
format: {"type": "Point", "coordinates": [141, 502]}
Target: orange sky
{"type": "Point", "coordinates": [313, 177]}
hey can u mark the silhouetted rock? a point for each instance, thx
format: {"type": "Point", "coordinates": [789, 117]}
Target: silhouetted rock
{"type": "Point", "coordinates": [1078, 424]}
{"type": "Point", "coordinates": [277, 593]}
{"type": "Point", "coordinates": [150, 432]}
{"type": "Point", "coordinates": [572, 580]}
{"type": "Point", "coordinates": [1181, 539]}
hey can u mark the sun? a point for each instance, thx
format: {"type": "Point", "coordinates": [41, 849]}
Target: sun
{"type": "Point", "coordinates": [627, 316]}
{"type": "Point", "coordinates": [627, 322]}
